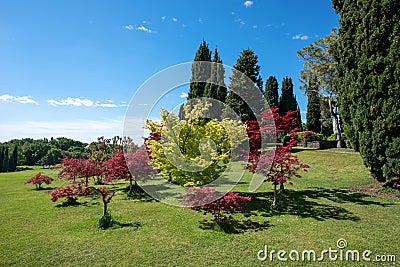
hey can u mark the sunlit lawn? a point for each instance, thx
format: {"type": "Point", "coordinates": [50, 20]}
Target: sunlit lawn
{"type": "Point", "coordinates": [313, 214]}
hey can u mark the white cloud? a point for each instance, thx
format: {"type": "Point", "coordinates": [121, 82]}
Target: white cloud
{"type": "Point", "coordinates": [183, 95]}
{"type": "Point", "coordinates": [71, 102]}
{"type": "Point", "coordinates": [184, 25]}
{"type": "Point", "coordinates": [17, 99]}
{"type": "Point", "coordinates": [200, 20]}
{"type": "Point", "coordinates": [232, 13]}
{"type": "Point", "coordinates": [129, 27]}
{"type": "Point", "coordinates": [300, 37]}
{"type": "Point", "coordinates": [106, 105]}
{"type": "Point", "coordinates": [254, 26]}
{"type": "Point", "coordinates": [174, 19]}
{"type": "Point", "coordinates": [163, 17]}
{"type": "Point", "coordinates": [143, 28]}
{"type": "Point", "coordinates": [248, 3]}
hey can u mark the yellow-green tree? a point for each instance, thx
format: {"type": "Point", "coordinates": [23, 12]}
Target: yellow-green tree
{"type": "Point", "coordinates": [195, 150]}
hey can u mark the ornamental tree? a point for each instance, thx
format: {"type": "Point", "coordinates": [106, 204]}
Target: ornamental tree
{"type": "Point", "coordinates": [129, 166]}
{"type": "Point", "coordinates": [284, 167]}
{"type": "Point", "coordinates": [278, 165]}
{"type": "Point", "coordinates": [70, 192]}
{"type": "Point", "coordinates": [226, 203]}
{"type": "Point", "coordinates": [38, 180]}
{"type": "Point", "coordinates": [80, 168]}
{"type": "Point", "coordinates": [193, 151]}
{"type": "Point", "coordinates": [106, 196]}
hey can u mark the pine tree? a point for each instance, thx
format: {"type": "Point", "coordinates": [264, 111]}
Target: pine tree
{"type": "Point", "coordinates": [246, 64]}
{"type": "Point", "coordinates": [271, 92]}
{"type": "Point", "coordinates": [200, 72]}
{"type": "Point", "coordinates": [216, 88]}
{"type": "Point", "coordinates": [367, 53]}
{"type": "Point", "coordinates": [313, 108]}
{"type": "Point", "coordinates": [1, 158]}
{"type": "Point", "coordinates": [5, 160]}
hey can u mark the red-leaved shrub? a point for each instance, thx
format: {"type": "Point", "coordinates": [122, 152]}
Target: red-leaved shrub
{"type": "Point", "coordinates": [38, 180]}
{"type": "Point", "coordinates": [218, 204]}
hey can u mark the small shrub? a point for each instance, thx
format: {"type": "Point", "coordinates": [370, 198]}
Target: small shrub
{"type": "Point", "coordinates": [106, 221]}
{"type": "Point", "coordinates": [38, 180]}
{"type": "Point", "coordinates": [200, 199]}
{"type": "Point", "coordinates": [70, 192]}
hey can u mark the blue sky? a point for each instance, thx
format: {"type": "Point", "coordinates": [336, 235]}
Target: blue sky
{"type": "Point", "coordinates": [70, 68]}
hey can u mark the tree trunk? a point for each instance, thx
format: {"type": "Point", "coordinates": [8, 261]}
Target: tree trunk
{"type": "Point", "coordinates": [336, 123]}
{"type": "Point", "coordinates": [104, 208]}
{"type": "Point", "coordinates": [274, 203]}
{"type": "Point", "coordinates": [282, 187]}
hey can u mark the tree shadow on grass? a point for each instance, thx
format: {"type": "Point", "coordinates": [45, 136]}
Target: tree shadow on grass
{"type": "Point", "coordinates": [117, 225]}
{"type": "Point", "coordinates": [42, 189]}
{"type": "Point", "coordinates": [303, 203]}
{"type": "Point", "coordinates": [71, 204]}
{"type": "Point", "coordinates": [137, 194]}
{"type": "Point", "coordinates": [234, 226]}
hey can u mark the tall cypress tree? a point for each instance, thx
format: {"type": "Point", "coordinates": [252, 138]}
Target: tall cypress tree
{"type": "Point", "coordinates": [12, 165]}
{"type": "Point", "coordinates": [313, 108]}
{"type": "Point", "coordinates": [271, 92]}
{"type": "Point", "coordinates": [5, 160]}
{"type": "Point", "coordinates": [216, 88]}
{"type": "Point", "coordinates": [246, 64]}
{"type": "Point", "coordinates": [367, 53]}
{"type": "Point", "coordinates": [200, 72]}
{"type": "Point", "coordinates": [287, 100]}
{"type": "Point", "coordinates": [1, 158]}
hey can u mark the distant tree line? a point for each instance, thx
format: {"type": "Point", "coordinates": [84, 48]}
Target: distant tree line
{"type": "Point", "coordinates": [45, 152]}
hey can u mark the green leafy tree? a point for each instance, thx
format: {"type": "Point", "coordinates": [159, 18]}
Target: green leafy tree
{"type": "Point", "coordinates": [246, 64]}
{"type": "Point", "coordinates": [200, 72]}
{"type": "Point", "coordinates": [192, 152]}
{"type": "Point", "coordinates": [367, 53]}
{"type": "Point", "coordinates": [313, 108]}
{"type": "Point", "coordinates": [320, 65]}
{"type": "Point", "coordinates": [271, 92]}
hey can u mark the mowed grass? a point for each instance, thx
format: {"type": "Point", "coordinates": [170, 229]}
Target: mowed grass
{"type": "Point", "coordinates": [313, 214]}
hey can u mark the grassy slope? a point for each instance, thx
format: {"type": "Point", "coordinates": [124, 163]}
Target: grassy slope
{"type": "Point", "coordinates": [316, 211]}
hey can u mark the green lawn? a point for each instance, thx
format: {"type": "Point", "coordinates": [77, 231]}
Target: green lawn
{"type": "Point", "coordinates": [313, 214]}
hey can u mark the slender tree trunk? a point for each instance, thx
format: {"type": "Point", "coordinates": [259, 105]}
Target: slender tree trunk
{"type": "Point", "coordinates": [274, 203]}
{"type": "Point", "coordinates": [336, 123]}
{"type": "Point", "coordinates": [282, 187]}
{"type": "Point", "coordinates": [104, 208]}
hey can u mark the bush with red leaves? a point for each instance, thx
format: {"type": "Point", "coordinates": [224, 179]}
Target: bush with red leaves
{"type": "Point", "coordinates": [38, 180]}
{"type": "Point", "coordinates": [203, 199]}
